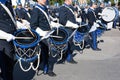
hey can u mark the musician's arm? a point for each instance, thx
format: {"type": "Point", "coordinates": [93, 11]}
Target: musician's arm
{"type": "Point", "coordinates": [6, 36]}
{"type": "Point", "coordinates": [34, 19]}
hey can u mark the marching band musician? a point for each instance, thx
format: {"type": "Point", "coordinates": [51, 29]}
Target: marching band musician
{"type": "Point", "coordinates": [67, 18]}
{"type": "Point", "coordinates": [40, 21]}
{"type": "Point", "coordinates": [22, 13]}
{"type": "Point", "coordinates": [98, 12]}
{"type": "Point", "coordinates": [7, 27]}
{"type": "Point", "coordinates": [92, 23]}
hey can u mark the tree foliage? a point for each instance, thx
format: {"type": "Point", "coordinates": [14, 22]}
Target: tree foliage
{"type": "Point", "coordinates": [61, 1]}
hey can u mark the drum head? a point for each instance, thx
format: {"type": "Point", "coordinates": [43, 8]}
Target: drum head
{"type": "Point", "coordinates": [108, 14]}
{"type": "Point", "coordinates": [26, 43]}
{"type": "Point", "coordinates": [62, 33]}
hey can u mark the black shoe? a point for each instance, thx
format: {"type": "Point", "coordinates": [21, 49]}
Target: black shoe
{"type": "Point", "coordinates": [87, 46]}
{"type": "Point", "coordinates": [97, 49]}
{"type": "Point", "coordinates": [52, 74]}
{"type": "Point", "coordinates": [72, 61]}
{"type": "Point", "coordinates": [61, 62]}
{"type": "Point", "coordinates": [102, 41]}
{"type": "Point", "coordinates": [108, 29]}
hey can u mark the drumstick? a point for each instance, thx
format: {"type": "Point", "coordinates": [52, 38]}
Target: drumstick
{"type": "Point", "coordinates": [56, 36]}
{"type": "Point", "coordinates": [57, 30]}
{"type": "Point", "coordinates": [29, 29]}
{"type": "Point", "coordinates": [75, 31]}
{"type": "Point", "coordinates": [23, 37]}
{"type": "Point", "coordinates": [31, 32]}
{"type": "Point", "coordinates": [47, 35]}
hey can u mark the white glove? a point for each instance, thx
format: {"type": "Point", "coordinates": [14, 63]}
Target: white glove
{"type": "Point", "coordinates": [79, 20]}
{"type": "Point", "coordinates": [100, 14]}
{"type": "Point", "coordinates": [23, 25]}
{"type": "Point", "coordinates": [93, 28]}
{"type": "Point", "coordinates": [98, 21]}
{"type": "Point", "coordinates": [6, 36]}
{"type": "Point", "coordinates": [71, 24]}
{"type": "Point", "coordinates": [41, 32]}
{"type": "Point", "coordinates": [53, 24]}
{"type": "Point", "coordinates": [53, 19]}
{"type": "Point", "coordinates": [10, 37]}
{"type": "Point", "coordinates": [95, 24]}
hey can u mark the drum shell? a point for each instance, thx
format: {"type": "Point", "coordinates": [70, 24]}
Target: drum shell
{"type": "Point", "coordinates": [80, 33]}
{"type": "Point", "coordinates": [59, 41]}
{"type": "Point", "coordinates": [113, 16]}
{"type": "Point", "coordinates": [100, 31]}
{"type": "Point", "coordinates": [27, 52]}
{"type": "Point", "coordinates": [58, 45]}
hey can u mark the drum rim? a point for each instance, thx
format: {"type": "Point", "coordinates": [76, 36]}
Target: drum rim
{"type": "Point", "coordinates": [26, 60]}
{"type": "Point", "coordinates": [27, 45]}
{"type": "Point", "coordinates": [59, 43]}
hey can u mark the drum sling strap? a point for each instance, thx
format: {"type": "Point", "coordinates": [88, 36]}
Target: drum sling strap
{"type": "Point", "coordinates": [69, 9]}
{"type": "Point", "coordinates": [44, 14]}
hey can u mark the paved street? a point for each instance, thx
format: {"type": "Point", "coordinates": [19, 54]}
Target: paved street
{"type": "Point", "coordinates": [92, 65]}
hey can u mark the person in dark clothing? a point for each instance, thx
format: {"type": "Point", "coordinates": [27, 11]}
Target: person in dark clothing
{"type": "Point", "coordinates": [40, 21]}
{"type": "Point", "coordinates": [67, 18]}
{"type": "Point", "coordinates": [91, 22]}
{"type": "Point", "coordinates": [22, 13]}
{"type": "Point", "coordinates": [7, 28]}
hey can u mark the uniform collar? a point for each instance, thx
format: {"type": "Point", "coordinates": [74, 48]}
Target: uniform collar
{"type": "Point", "coordinates": [3, 1]}
{"type": "Point", "coordinates": [92, 8]}
{"type": "Point", "coordinates": [43, 7]}
{"type": "Point", "coordinates": [66, 5]}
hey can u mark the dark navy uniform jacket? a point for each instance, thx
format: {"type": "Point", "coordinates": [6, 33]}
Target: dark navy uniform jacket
{"type": "Point", "coordinates": [38, 18]}
{"type": "Point", "coordinates": [91, 17]}
{"type": "Point", "coordinates": [7, 25]}
{"type": "Point", "coordinates": [65, 14]}
{"type": "Point", "coordinates": [98, 10]}
{"type": "Point", "coordinates": [22, 14]}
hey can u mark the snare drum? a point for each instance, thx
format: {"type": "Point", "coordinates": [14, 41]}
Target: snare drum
{"type": "Point", "coordinates": [110, 14]}
{"type": "Point", "coordinates": [78, 38]}
{"type": "Point", "coordinates": [58, 46]}
{"type": "Point", "coordinates": [80, 33]}
{"type": "Point", "coordinates": [27, 50]}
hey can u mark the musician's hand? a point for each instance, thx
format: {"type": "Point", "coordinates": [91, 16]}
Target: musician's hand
{"type": "Point", "coordinates": [98, 21]}
{"type": "Point", "coordinates": [54, 25]}
{"type": "Point", "coordinates": [41, 32]}
{"type": "Point", "coordinates": [95, 24]}
{"type": "Point", "coordinates": [75, 26]}
{"type": "Point", "coordinates": [79, 20]}
{"type": "Point", "coordinates": [10, 37]}
{"type": "Point", "coordinates": [23, 25]}
{"type": "Point", "coordinates": [6, 36]}
{"type": "Point", "coordinates": [71, 24]}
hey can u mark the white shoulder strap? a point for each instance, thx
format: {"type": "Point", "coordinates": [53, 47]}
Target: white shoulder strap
{"type": "Point", "coordinates": [69, 9]}
{"type": "Point", "coordinates": [9, 13]}
{"type": "Point", "coordinates": [44, 14]}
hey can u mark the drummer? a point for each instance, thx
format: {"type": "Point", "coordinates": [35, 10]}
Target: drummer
{"type": "Point", "coordinates": [7, 27]}
{"type": "Point", "coordinates": [91, 21]}
{"type": "Point", "coordinates": [67, 18]}
{"type": "Point", "coordinates": [23, 13]}
{"type": "Point", "coordinates": [98, 11]}
{"type": "Point", "coordinates": [40, 21]}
